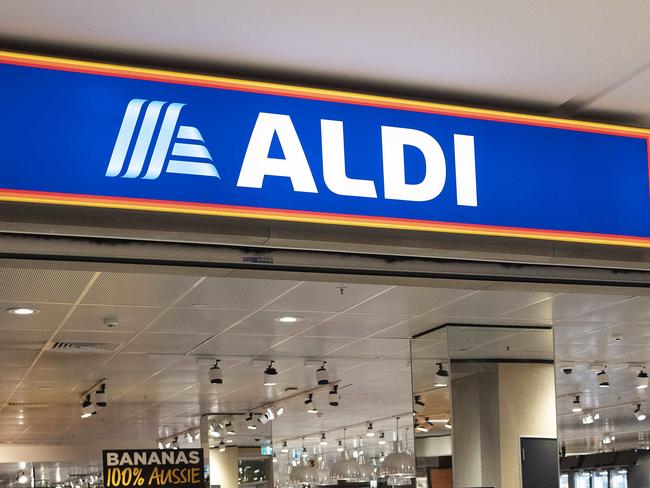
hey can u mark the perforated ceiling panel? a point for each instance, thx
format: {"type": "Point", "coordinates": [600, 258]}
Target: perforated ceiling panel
{"type": "Point", "coordinates": [41, 285]}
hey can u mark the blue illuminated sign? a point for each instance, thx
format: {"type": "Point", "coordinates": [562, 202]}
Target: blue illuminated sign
{"type": "Point", "coordinates": [90, 134]}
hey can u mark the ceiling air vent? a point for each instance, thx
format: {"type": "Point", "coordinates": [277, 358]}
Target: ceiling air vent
{"type": "Point", "coordinates": [22, 405]}
{"type": "Point", "coordinates": [77, 347]}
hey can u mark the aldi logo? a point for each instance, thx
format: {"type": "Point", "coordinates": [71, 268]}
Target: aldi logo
{"type": "Point", "coordinates": [189, 155]}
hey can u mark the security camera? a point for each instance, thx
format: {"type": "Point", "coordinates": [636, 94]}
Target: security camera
{"type": "Point", "coordinates": [111, 321]}
{"type": "Point", "coordinates": [567, 368]}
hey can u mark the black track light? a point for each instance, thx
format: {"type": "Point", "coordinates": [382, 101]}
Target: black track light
{"type": "Point", "coordinates": [322, 377]}
{"type": "Point", "coordinates": [442, 377]}
{"type": "Point", "coordinates": [87, 408]}
{"type": "Point", "coordinates": [418, 404]}
{"type": "Point", "coordinates": [333, 397]}
{"type": "Point", "coordinates": [603, 379]}
{"type": "Point", "coordinates": [309, 403]}
{"type": "Point", "coordinates": [270, 375]}
{"type": "Point", "coordinates": [101, 398]}
{"type": "Point", "coordinates": [216, 374]}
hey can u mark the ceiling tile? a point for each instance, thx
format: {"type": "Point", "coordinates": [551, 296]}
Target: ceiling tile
{"type": "Point", "coordinates": [108, 336]}
{"type": "Point", "coordinates": [236, 345]}
{"type": "Point", "coordinates": [633, 309]}
{"type": "Point", "coordinates": [49, 316]}
{"type": "Point", "coordinates": [24, 339]}
{"type": "Point", "coordinates": [91, 318]}
{"type": "Point", "coordinates": [325, 297]}
{"type": "Point", "coordinates": [412, 327]}
{"type": "Point", "coordinates": [193, 320]}
{"type": "Point", "coordinates": [264, 323]}
{"type": "Point", "coordinates": [355, 325]}
{"type": "Point", "coordinates": [42, 285]}
{"type": "Point", "coordinates": [410, 300]}
{"type": "Point", "coordinates": [17, 359]}
{"type": "Point", "coordinates": [309, 346]}
{"type": "Point", "coordinates": [138, 289]}
{"type": "Point", "coordinates": [238, 293]}
{"type": "Point", "coordinates": [50, 359]}
{"type": "Point", "coordinates": [12, 374]}
{"type": "Point", "coordinates": [487, 304]}
{"type": "Point", "coordinates": [565, 306]}
{"type": "Point", "coordinates": [166, 343]}
{"type": "Point", "coordinates": [371, 348]}
{"type": "Point", "coordinates": [146, 361]}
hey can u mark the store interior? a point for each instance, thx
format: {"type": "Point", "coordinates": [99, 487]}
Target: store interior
{"type": "Point", "coordinates": [355, 382]}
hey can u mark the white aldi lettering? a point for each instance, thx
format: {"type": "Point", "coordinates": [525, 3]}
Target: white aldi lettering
{"type": "Point", "coordinates": [257, 163]}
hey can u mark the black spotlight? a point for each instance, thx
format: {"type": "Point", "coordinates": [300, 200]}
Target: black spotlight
{"type": "Point", "coordinates": [216, 374]}
{"type": "Point", "coordinates": [333, 396]}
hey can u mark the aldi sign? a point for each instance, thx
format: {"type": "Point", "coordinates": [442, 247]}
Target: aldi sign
{"type": "Point", "coordinates": [89, 134]}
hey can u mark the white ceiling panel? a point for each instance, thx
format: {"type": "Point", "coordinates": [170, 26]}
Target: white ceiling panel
{"type": "Point", "coordinates": [410, 300]}
{"type": "Point", "coordinates": [565, 306]}
{"type": "Point", "coordinates": [12, 374]}
{"type": "Point", "coordinates": [264, 323]}
{"type": "Point", "coordinates": [41, 285]}
{"type": "Point", "coordinates": [238, 293]}
{"type": "Point", "coordinates": [355, 325]}
{"type": "Point", "coordinates": [16, 359]}
{"type": "Point", "coordinates": [197, 320]}
{"type": "Point", "coordinates": [132, 360]}
{"type": "Point", "coordinates": [565, 330]}
{"type": "Point", "coordinates": [325, 297]}
{"type": "Point", "coordinates": [108, 336]}
{"type": "Point", "coordinates": [238, 345]}
{"type": "Point", "coordinates": [487, 304]}
{"type": "Point", "coordinates": [633, 309]}
{"type": "Point", "coordinates": [24, 339]}
{"type": "Point", "coordinates": [308, 346]}
{"type": "Point", "coordinates": [55, 375]}
{"type": "Point", "coordinates": [138, 289]}
{"type": "Point", "coordinates": [50, 359]}
{"type": "Point", "coordinates": [91, 318]}
{"type": "Point", "coordinates": [412, 327]}
{"type": "Point", "coordinates": [166, 343]}
{"type": "Point", "coordinates": [48, 318]}
{"type": "Point", "coordinates": [370, 348]}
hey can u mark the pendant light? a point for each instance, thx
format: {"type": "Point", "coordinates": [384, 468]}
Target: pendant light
{"type": "Point", "coordinates": [216, 374]}
{"type": "Point", "coordinates": [366, 472]}
{"type": "Point", "coordinates": [303, 473]}
{"type": "Point", "coordinates": [270, 375]}
{"type": "Point", "coordinates": [640, 416]}
{"type": "Point", "coordinates": [603, 379]}
{"type": "Point", "coordinates": [576, 406]}
{"type": "Point", "coordinates": [87, 408]}
{"type": "Point", "coordinates": [322, 378]}
{"type": "Point", "coordinates": [333, 396]}
{"type": "Point", "coordinates": [398, 463]}
{"type": "Point", "coordinates": [642, 380]}
{"type": "Point", "coordinates": [344, 469]}
{"type": "Point", "coordinates": [442, 377]}
{"type": "Point", "coordinates": [309, 403]}
{"type": "Point", "coordinates": [418, 404]}
{"type": "Point", "coordinates": [322, 471]}
{"type": "Point", "coordinates": [101, 397]}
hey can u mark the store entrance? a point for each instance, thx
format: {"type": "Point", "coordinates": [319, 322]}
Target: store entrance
{"type": "Point", "coordinates": [292, 379]}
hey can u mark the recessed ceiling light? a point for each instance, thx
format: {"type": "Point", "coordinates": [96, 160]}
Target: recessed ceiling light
{"type": "Point", "coordinates": [288, 319]}
{"type": "Point", "coordinates": [22, 311]}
